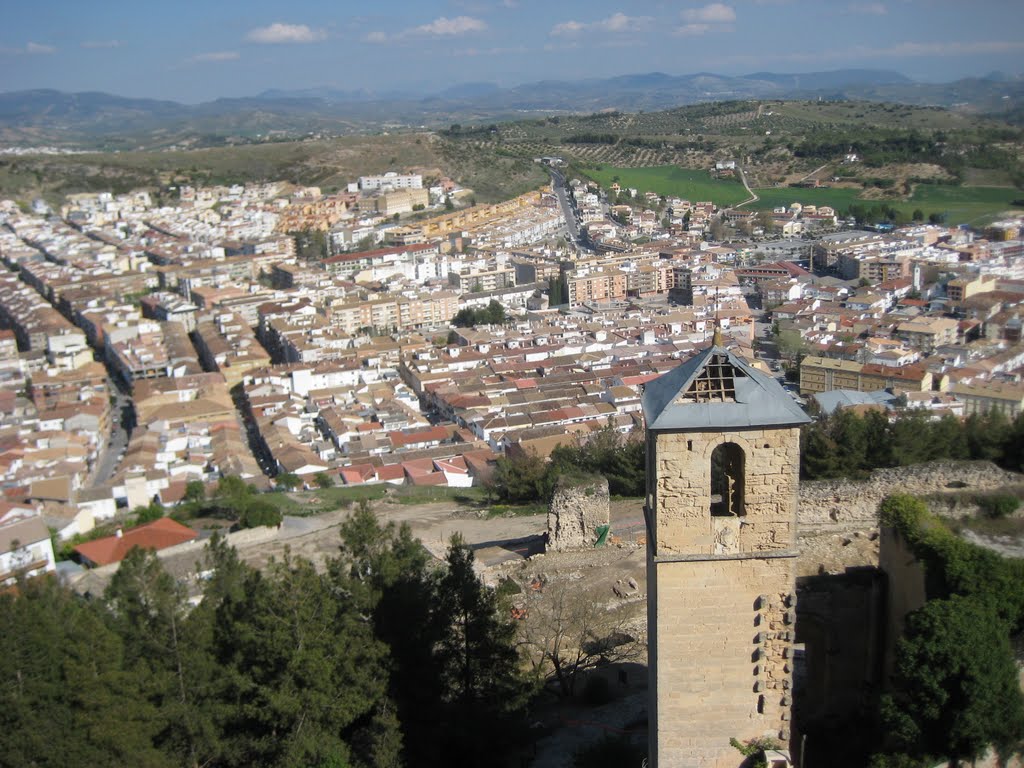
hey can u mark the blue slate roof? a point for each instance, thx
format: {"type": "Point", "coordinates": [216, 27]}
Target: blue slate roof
{"type": "Point", "coordinates": [717, 390]}
{"type": "Point", "coordinates": [844, 398]}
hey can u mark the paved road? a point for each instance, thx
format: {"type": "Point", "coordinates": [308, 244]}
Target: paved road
{"type": "Point", "coordinates": [114, 445]}
{"type": "Point", "coordinates": [561, 192]}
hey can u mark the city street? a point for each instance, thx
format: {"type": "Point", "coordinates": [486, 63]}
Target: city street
{"type": "Point", "coordinates": [114, 447]}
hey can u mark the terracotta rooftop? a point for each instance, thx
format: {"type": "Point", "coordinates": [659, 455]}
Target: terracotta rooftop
{"type": "Point", "coordinates": [160, 534]}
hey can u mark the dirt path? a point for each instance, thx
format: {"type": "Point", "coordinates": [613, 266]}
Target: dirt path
{"type": "Point", "coordinates": [753, 196]}
{"type": "Point", "coordinates": [494, 539]}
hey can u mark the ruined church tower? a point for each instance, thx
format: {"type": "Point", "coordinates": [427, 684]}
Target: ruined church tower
{"type": "Point", "coordinates": [723, 455]}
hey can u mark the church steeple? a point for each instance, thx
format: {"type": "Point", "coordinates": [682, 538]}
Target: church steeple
{"type": "Point", "coordinates": [723, 456]}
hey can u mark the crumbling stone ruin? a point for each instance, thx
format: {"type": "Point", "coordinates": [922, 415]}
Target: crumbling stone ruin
{"type": "Point", "coordinates": [578, 508]}
{"type": "Point", "coordinates": [849, 504]}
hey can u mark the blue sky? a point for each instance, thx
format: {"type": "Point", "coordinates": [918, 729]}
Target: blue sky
{"type": "Point", "coordinates": [196, 50]}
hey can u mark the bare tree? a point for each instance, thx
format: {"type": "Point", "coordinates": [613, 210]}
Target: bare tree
{"type": "Point", "coordinates": [565, 631]}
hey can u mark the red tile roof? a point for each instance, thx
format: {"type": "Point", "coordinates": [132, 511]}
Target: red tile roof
{"type": "Point", "coordinates": [391, 472]}
{"type": "Point", "coordinates": [160, 534]}
{"type": "Point", "coordinates": [417, 437]}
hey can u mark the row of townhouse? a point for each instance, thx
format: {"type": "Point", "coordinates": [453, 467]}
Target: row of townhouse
{"type": "Point", "coordinates": [226, 343]}
{"type": "Point", "coordinates": [395, 312]}
{"type": "Point", "coordinates": [38, 327]}
{"type": "Point", "coordinates": [187, 428]}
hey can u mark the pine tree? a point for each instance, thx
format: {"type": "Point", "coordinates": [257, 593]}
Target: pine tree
{"type": "Point", "coordinates": [302, 668]}
{"type": "Point", "coordinates": [485, 692]}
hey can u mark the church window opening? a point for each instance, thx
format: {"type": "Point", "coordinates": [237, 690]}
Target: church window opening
{"type": "Point", "coordinates": [727, 474]}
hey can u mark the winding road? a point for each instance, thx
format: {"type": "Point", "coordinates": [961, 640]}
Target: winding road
{"type": "Point", "coordinates": [753, 197]}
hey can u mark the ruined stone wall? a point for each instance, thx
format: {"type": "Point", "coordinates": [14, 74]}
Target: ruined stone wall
{"type": "Point", "coordinates": [578, 507]}
{"type": "Point", "coordinates": [723, 645]}
{"type": "Point", "coordinates": [907, 590]}
{"type": "Point", "coordinates": [848, 504]}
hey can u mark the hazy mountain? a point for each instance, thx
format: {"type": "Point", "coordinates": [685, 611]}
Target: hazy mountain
{"type": "Point", "coordinates": [470, 91]}
{"type": "Point", "coordinates": [48, 116]}
{"type": "Point", "coordinates": [842, 78]}
{"type": "Point", "coordinates": [49, 105]}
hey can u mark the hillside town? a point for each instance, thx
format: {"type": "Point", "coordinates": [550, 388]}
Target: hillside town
{"type": "Point", "coordinates": [150, 344]}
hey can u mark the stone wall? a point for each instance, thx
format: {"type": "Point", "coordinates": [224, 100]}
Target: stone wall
{"type": "Point", "coordinates": [721, 584]}
{"type": "Point", "coordinates": [848, 504]}
{"type": "Point", "coordinates": [578, 507]}
{"type": "Point", "coordinates": [723, 657]}
{"type": "Point", "coordinates": [682, 500]}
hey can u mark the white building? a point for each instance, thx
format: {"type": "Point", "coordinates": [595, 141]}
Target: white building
{"type": "Point", "coordinates": [391, 180]}
{"type": "Point", "coordinates": [25, 547]}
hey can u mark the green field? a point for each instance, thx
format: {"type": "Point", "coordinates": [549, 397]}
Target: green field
{"type": "Point", "coordinates": [671, 180]}
{"type": "Point", "coordinates": [960, 205]}
{"type": "Point", "coordinates": [963, 205]}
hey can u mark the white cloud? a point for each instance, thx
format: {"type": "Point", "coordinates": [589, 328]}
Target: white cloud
{"type": "Point", "coordinates": [714, 13]}
{"type": "Point", "coordinates": [691, 30]}
{"type": "Point", "coordinates": [201, 58]}
{"type": "Point", "coordinates": [285, 33]}
{"type": "Point", "coordinates": [616, 23]}
{"type": "Point", "coordinates": [568, 28]}
{"type": "Point", "coordinates": [101, 44]}
{"type": "Point", "coordinates": [620, 22]}
{"type": "Point", "coordinates": [444, 27]}
{"type": "Point", "coordinates": [440, 27]}
{"type": "Point", "coordinates": [871, 9]}
{"type": "Point", "coordinates": [35, 48]}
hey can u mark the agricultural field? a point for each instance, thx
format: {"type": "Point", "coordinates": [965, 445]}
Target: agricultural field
{"type": "Point", "coordinates": [671, 180]}
{"type": "Point", "coordinates": [959, 205]}
{"type": "Point", "coordinates": [773, 197]}
{"type": "Point", "coordinates": [963, 205]}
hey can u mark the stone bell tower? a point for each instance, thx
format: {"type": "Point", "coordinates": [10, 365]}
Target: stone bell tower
{"type": "Point", "coordinates": [723, 455]}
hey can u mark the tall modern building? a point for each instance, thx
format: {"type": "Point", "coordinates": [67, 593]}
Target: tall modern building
{"type": "Point", "coordinates": [723, 456]}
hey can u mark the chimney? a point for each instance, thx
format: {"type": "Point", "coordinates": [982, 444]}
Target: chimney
{"type": "Point", "coordinates": [119, 533]}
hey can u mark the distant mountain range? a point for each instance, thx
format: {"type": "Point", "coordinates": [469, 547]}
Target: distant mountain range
{"type": "Point", "coordinates": [94, 119]}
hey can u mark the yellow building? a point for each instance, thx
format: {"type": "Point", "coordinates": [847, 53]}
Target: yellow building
{"type": "Point", "coordinates": [984, 396]}
{"type": "Point", "coordinates": [402, 201]}
{"type": "Point", "coordinates": [823, 374]}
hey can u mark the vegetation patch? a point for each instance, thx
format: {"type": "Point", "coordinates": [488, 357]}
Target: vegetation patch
{"type": "Point", "coordinates": [689, 184]}
{"type": "Point", "coordinates": [955, 689]}
{"type": "Point", "coordinates": [845, 444]}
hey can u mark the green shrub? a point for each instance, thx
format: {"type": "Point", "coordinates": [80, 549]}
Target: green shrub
{"type": "Point", "coordinates": [508, 587]}
{"type": "Point", "coordinates": [998, 505]}
{"type": "Point", "coordinates": [259, 513]}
